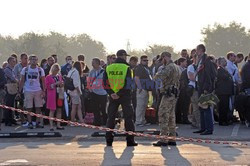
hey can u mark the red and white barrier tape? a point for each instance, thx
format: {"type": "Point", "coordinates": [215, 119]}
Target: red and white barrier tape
{"type": "Point", "coordinates": [182, 139]}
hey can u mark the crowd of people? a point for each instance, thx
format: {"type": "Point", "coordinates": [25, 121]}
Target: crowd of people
{"type": "Point", "coordinates": [73, 90]}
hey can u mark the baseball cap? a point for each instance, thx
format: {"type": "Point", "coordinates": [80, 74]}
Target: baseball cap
{"type": "Point", "coordinates": [121, 53]}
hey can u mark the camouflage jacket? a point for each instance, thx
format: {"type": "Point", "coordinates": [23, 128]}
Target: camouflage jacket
{"type": "Point", "coordinates": [169, 76]}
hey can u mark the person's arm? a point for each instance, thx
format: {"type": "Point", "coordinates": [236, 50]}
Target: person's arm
{"type": "Point", "coordinates": [9, 74]}
{"type": "Point", "coordinates": [106, 84]}
{"type": "Point", "coordinates": [21, 83]}
{"type": "Point", "coordinates": [123, 91]}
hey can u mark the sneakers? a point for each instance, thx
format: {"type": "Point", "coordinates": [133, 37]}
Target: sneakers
{"type": "Point", "coordinates": [30, 126]}
{"type": "Point", "coordinates": [39, 126]}
{"type": "Point", "coordinates": [143, 124]}
{"type": "Point", "coordinates": [140, 125]}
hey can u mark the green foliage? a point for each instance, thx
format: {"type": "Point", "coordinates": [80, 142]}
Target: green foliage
{"type": "Point", "coordinates": [154, 50]}
{"type": "Point", "coordinates": [221, 39]}
{"type": "Point", "coordinates": [53, 43]}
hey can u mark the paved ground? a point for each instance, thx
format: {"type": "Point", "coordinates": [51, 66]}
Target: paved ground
{"type": "Point", "coordinates": [96, 153]}
{"type": "Point", "coordinates": [236, 132]}
{"type": "Point", "coordinates": [77, 147]}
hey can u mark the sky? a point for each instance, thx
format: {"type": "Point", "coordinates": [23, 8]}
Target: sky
{"type": "Point", "coordinates": [177, 23]}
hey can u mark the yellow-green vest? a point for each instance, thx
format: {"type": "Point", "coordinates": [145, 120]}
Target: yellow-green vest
{"type": "Point", "coordinates": [116, 73]}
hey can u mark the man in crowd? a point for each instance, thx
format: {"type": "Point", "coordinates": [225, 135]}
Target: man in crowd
{"type": "Point", "coordinates": [239, 58]}
{"type": "Point", "coordinates": [17, 70]}
{"type": "Point", "coordinates": [55, 57]}
{"type": "Point", "coordinates": [133, 63]}
{"type": "Point", "coordinates": [192, 86]}
{"type": "Point", "coordinates": [32, 77]}
{"type": "Point", "coordinates": [50, 61]}
{"type": "Point", "coordinates": [224, 89]}
{"type": "Point", "coordinates": [11, 90]}
{"type": "Point", "coordinates": [143, 79]}
{"type": "Point", "coordinates": [245, 89]}
{"type": "Point", "coordinates": [18, 67]}
{"type": "Point", "coordinates": [234, 71]}
{"type": "Point", "coordinates": [184, 54]}
{"type": "Point", "coordinates": [67, 67]}
{"type": "Point", "coordinates": [117, 80]}
{"type": "Point", "coordinates": [98, 95]}
{"type": "Point", "coordinates": [206, 74]}
{"type": "Point", "coordinates": [169, 76]}
{"type": "Point", "coordinates": [183, 102]}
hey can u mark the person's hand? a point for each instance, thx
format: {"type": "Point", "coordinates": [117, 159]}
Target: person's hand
{"type": "Point", "coordinates": [43, 94]}
{"type": "Point", "coordinates": [114, 96]}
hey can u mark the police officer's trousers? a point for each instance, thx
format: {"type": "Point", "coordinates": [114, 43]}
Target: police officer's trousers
{"type": "Point", "coordinates": [128, 113]}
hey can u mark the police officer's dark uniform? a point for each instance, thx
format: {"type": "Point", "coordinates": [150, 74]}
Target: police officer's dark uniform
{"type": "Point", "coordinates": [117, 81]}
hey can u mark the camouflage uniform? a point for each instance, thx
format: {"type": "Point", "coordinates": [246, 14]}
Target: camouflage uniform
{"type": "Point", "coordinates": [169, 76]}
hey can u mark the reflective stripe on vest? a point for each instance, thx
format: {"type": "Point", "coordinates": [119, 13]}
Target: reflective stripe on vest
{"type": "Point", "coordinates": [116, 73]}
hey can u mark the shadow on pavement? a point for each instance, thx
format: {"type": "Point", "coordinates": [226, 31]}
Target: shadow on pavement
{"type": "Point", "coordinates": [172, 156]}
{"type": "Point", "coordinates": [109, 157]}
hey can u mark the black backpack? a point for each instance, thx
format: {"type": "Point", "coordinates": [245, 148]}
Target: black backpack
{"type": "Point", "coordinates": [68, 83]}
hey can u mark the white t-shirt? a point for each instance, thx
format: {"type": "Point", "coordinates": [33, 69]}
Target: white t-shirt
{"type": "Point", "coordinates": [32, 81]}
{"type": "Point", "coordinates": [191, 69]}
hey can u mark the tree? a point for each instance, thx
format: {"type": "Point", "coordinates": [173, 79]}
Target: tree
{"type": "Point", "coordinates": [154, 50]}
{"type": "Point", "coordinates": [53, 43]}
{"type": "Point", "coordinates": [221, 39]}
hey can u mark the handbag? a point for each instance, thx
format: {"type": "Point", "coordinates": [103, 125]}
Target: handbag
{"type": "Point", "coordinates": [60, 91]}
{"type": "Point", "coordinates": [68, 83]}
{"type": "Point", "coordinates": [12, 88]}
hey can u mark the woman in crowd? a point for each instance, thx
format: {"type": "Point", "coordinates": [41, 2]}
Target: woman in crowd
{"type": "Point", "coordinates": [54, 86]}
{"type": "Point", "coordinates": [75, 94]}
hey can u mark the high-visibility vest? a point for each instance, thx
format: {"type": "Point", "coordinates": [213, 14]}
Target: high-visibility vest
{"type": "Point", "coordinates": [116, 73]}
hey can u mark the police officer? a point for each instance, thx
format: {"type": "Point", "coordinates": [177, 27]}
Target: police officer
{"type": "Point", "coordinates": [117, 81]}
{"type": "Point", "coordinates": [169, 75]}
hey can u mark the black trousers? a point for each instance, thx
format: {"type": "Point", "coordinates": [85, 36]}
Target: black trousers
{"type": "Point", "coordinates": [223, 107]}
{"type": "Point", "coordinates": [98, 106]}
{"type": "Point", "coordinates": [9, 101]}
{"type": "Point", "coordinates": [134, 102]}
{"type": "Point", "coordinates": [182, 106]}
{"type": "Point", "coordinates": [128, 113]}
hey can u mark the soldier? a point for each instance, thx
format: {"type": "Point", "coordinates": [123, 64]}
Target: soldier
{"type": "Point", "coordinates": [169, 76]}
{"type": "Point", "coordinates": [117, 80]}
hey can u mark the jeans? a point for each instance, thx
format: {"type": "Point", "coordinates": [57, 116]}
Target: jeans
{"type": "Point", "coordinates": [206, 119]}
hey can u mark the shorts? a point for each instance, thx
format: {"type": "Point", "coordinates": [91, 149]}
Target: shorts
{"type": "Point", "coordinates": [75, 97]}
{"type": "Point", "coordinates": [33, 97]}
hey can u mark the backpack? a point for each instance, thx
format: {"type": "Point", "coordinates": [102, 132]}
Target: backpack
{"type": "Point", "coordinates": [151, 115]}
{"type": "Point", "coordinates": [89, 118]}
{"type": "Point", "coordinates": [68, 83]}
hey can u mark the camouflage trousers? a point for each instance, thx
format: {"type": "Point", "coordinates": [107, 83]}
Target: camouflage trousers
{"type": "Point", "coordinates": [167, 116]}
{"type": "Point", "coordinates": [196, 111]}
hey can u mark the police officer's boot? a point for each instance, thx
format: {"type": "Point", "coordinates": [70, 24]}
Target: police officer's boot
{"type": "Point", "coordinates": [109, 138]}
{"type": "Point", "coordinates": [131, 141]}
